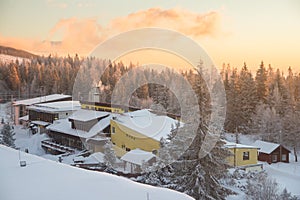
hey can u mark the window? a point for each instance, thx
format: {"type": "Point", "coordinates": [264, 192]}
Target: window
{"type": "Point", "coordinates": [283, 157]}
{"type": "Point", "coordinates": [113, 130]}
{"type": "Point", "coordinates": [274, 158]}
{"type": "Point", "coordinates": [246, 155]}
{"type": "Point", "coordinates": [128, 149]}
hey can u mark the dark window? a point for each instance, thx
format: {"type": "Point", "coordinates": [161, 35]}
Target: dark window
{"type": "Point", "coordinates": [246, 155]}
{"type": "Point", "coordinates": [127, 149]}
{"type": "Point", "coordinates": [113, 130]}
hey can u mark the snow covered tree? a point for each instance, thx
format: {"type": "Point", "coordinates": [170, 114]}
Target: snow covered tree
{"type": "Point", "coordinates": [233, 106]}
{"type": "Point", "coordinates": [285, 195]}
{"type": "Point", "coordinates": [266, 123]}
{"type": "Point", "coordinates": [291, 133]}
{"type": "Point", "coordinates": [262, 187]}
{"type": "Point", "coordinates": [7, 136]}
{"type": "Point", "coordinates": [261, 83]}
{"type": "Point", "coordinates": [109, 155]}
{"type": "Point", "coordinates": [247, 99]}
{"type": "Point", "coordinates": [189, 173]}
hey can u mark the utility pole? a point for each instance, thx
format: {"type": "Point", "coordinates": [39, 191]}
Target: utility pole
{"type": "Point", "coordinates": [11, 109]}
{"type": "Point", "coordinates": [280, 141]}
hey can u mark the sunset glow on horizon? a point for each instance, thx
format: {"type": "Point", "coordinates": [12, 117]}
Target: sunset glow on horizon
{"type": "Point", "coordinates": [230, 32]}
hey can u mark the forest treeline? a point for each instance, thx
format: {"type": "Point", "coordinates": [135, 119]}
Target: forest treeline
{"type": "Point", "coordinates": [265, 103]}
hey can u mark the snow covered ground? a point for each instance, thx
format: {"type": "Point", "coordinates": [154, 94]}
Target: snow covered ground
{"type": "Point", "coordinates": [48, 180]}
{"type": "Point", "coordinates": [286, 175]}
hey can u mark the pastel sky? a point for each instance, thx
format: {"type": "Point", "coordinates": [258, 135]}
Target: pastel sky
{"type": "Point", "coordinates": [230, 31]}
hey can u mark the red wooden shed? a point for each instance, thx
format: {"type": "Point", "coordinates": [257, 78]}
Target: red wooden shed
{"type": "Point", "coordinates": [271, 152]}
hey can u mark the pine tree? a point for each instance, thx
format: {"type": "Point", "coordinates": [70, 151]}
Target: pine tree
{"type": "Point", "coordinates": [191, 173]}
{"type": "Point", "coordinates": [109, 155]}
{"type": "Point", "coordinates": [7, 135]}
{"type": "Point", "coordinates": [233, 105]}
{"type": "Point", "coordinates": [290, 135]}
{"type": "Point", "coordinates": [261, 83]}
{"type": "Point", "coordinates": [247, 98]}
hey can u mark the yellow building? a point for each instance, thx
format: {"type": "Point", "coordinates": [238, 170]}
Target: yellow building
{"type": "Point", "coordinates": [140, 129]}
{"type": "Point", "coordinates": [243, 156]}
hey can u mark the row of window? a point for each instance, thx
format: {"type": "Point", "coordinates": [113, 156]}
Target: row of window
{"type": "Point", "coordinates": [113, 130]}
{"type": "Point", "coordinates": [41, 116]}
{"type": "Point", "coordinates": [106, 109]}
{"type": "Point", "coordinates": [246, 156]}
{"type": "Point", "coordinates": [130, 136]}
{"type": "Point", "coordinates": [126, 148]}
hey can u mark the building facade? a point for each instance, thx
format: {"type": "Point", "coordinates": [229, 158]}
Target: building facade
{"type": "Point", "coordinates": [140, 129]}
{"type": "Point", "coordinates": [20, 108]}
{"type": "Point", "coordinates": [42, 115]}
{"type": "Point", "coordinates": [271, 152]}
{"type": "Point", "coordinates": [84, 129]}
{"type": "Point", "coordinates": [243, 156]}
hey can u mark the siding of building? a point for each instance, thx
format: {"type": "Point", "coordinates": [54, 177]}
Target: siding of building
{"type": "Point", "coordinates": [238, 159]}
{"type": "Point", "coordinates": [127, 139]}
{"type": "Point", "coordinates": [66, 140]}
{"type": "Point", "coordinates": [275, 156]}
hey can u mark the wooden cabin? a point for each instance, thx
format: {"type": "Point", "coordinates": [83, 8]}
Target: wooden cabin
{"type": "Point", "coordinates": [271, 152]}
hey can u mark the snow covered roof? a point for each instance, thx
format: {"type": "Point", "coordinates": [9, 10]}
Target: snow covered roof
{"type": "Point", "coordinates": [64, 126]}
{"type": "Point", "coordinates": [238, 146]}
{"type": "Point", "coordinates": [41, 123]}
{"type": "Point", "coordinates": [42, 99]}
{"type": "Point", "coordinates": [137, 156]}
{"type": "Point", "coordinates": [87, 115]}
{"type": "Point", "coordinates": [24, 118]}
{"type": "Point", "coordinates": [56, 106]}
{"type": "Point", "coordinates": [97, 157]}
{"type": "Point", "coordinates": [266, 147]}
{"type": "Point", "coordinates": [147, 123]}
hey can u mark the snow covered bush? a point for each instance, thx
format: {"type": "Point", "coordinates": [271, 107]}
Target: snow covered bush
{"type": "Point", "coordinates": [262, 187]}
{"type": "Point", "coordinates": [7, 136]}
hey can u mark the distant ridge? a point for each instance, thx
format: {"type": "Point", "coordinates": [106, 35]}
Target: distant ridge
{"type": "Point", "coordinates": [16, 52]}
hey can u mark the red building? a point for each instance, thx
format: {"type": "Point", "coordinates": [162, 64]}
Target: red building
{"type": "Point", "coordinates": [271, 152]}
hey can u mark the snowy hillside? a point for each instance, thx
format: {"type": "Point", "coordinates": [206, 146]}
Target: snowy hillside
{"type": "Point", "coordinates": [48, 180]}
{"type": "Point", "coordinates": [8, 58]}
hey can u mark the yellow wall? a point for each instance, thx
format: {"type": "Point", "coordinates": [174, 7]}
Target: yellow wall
{"type": "Point", "coordinates": [102, 108]}
{"type": "Point", "coordinates": [131, 139]}
{"type": "Point", "coordinates": [237, 158]}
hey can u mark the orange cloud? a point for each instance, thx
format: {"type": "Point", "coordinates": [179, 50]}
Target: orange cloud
{"type": "Point", "coordinates": [82, 35]}
{"type": "Point", "coordinates": [184, 21]}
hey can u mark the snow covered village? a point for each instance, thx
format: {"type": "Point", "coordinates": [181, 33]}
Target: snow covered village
{"type": "Point", "coordinates": [106, 138]}
{"type": "Point", "coordinates": [149, 100]}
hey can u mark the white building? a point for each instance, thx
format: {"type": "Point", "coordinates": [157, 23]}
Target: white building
{"type": "Point", "coordinates": [46, 113]}
{"type": "Point", "coordinates": [21, 107]}
{"type": "Point", "coordinates": [84, 129]}
{"type": "Point", "coordinates": [135, 159]}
